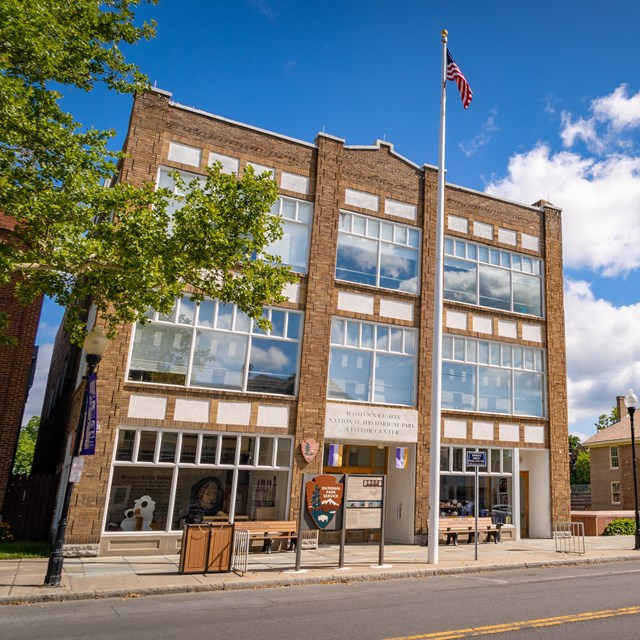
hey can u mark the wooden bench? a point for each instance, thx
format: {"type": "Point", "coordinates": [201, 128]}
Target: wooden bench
{"type": "Point", "coordinates": [451, 527]}
{"type": "Point", "coordinates": [270, 530]}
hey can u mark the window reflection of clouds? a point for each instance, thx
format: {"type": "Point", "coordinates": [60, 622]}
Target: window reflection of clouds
{"type": "Point", "coordinates": [495, 288]}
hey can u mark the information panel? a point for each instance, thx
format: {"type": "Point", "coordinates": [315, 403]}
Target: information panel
{"type": "Point", "coordinates": [364, 502]}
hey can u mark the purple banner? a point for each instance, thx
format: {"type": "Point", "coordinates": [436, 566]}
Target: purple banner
{"type": "Point", "coordinates": [90, 427]}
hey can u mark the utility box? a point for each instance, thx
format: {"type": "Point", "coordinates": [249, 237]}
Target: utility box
{"type": "Point", "coordinates": [206, 548]}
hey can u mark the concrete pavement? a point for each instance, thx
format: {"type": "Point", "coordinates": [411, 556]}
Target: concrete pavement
{"type": "Point", "coordinates": [21, 581]}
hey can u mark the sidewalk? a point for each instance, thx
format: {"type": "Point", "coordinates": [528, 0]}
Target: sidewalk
{"type": "Point", "coordinates": [21, 581]}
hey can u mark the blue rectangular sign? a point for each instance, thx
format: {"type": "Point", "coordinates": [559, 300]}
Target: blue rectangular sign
{"type": "Point", "coordinates": [476, 458]}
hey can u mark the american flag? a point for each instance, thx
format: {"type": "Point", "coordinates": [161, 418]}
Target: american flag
{"type": "Point", "coordinates": [454, 73]}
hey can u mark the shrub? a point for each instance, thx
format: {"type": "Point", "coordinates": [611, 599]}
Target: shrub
{"type": "Point", "coordinates": [5, 532]}
{"type": "Point", "coordinates": [620, 527]}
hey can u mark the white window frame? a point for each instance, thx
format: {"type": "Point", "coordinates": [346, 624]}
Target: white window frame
{"type": "Point", "coordinates": [615, 491]}
{"type": "Point", "coordinates": [277, 210]}
{"type": "Point", "coordinates": [614, 455]}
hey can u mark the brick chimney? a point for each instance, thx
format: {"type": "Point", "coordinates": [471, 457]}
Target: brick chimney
{"type": "Point", "coordinates": [622, 409]}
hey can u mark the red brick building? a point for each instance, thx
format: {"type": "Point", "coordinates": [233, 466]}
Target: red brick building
{"type": "Point", "coordinates": [17, 364]}
{"type": "Point", "coordinates": [201, 401]}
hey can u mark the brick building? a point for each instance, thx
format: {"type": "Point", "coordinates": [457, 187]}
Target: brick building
{"type": "Point", "coordinates": [201, 401]}
{"type": "Point", "coordinates": [17, 365]}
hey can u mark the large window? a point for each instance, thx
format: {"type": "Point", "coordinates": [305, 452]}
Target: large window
{"type": "Point", "coordinates": [293, 247]}
{"type": "Point", "coordinates": [163, 479]}
{"type": "Point", "coordinates": [378, 253]}
{"type": "Point", "coordinates": [214, 345]}
{"type": "Point", "coordinates": [479, 375]}
{"type": "Point", "coordinates": [372, 362]}
{"type": "Point", "coordinates": [491, 277]}
{"type": "Point", "coordinates": [495, 484]}
{"type": "Point", "coordinates": [614, 460]}
{"type": "Point", "coordinates": [615, 493]}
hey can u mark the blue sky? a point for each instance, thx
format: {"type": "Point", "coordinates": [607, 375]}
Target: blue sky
{"type": "Point", "coordinates": [555, 115]}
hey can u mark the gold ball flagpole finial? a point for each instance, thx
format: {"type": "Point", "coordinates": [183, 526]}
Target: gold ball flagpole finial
{"type": "Point", "coordinates": [445, 33]}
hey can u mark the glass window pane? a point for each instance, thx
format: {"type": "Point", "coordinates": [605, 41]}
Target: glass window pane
{"type": "Point", "coordinates": [168, 317]}
{"type": "Point", "coordinates": [272, 366]}
{"type": "Point", "coordinates": [359, 224]}
{"type": "Point", "coordinates": [495, 288]}
{"type": "Point", "coordinates": [398, 268]}
{"type": "Point", "coordinates": [494, 257]}
{"type": "Point", "coordinates": [349, 374]}
{"type": "Point", "coordinates": [353, 334]}
{"type": "Point", "coordinates": [495, 460]}
{"type": "Point", "coordinates": [414, 238]}
{"type": "Point", "coordinates": [472, 347]}
{"type": "Point", "coordinates": [344, 223]}
{"type": "Point", "coordinates": [219, 360]}
{"type": "Point", "coordinates": [447, 344]}
{"type": "Point", "coordinates": [266, 313]}
{"type": "Point", "coordinates": [517, 357]}
{"type": "Point", "coordinates": [209, 448]}
{"type": "Point", "coordinates": [225, 316]}
{"type": "Point", "coordinates": [359, 456]}
{"type": "Point", "coordinates": [277, 323]}
{"type": "Point", "coordinates": [283, 456]}
{"type": "Point", "coordinates": [168, 447]}
{"type": "Point", "coordinates": [337, 331]}
{"type": "Point", "coordinates": [293, 247]}
{"type": "Point", "coordinates": [458, 349]}
{"type": "Point", "coordinates": [187, 311]}
{"type": "Point", "coordinates": [189, 446]}
{"type": "Point", "coordinates": [507, 461]}
{"type": "Point", "coordinates": [265, 455]}
{"type": "Point", "coordinates": [139, 499]}
{"type": "Point", "coordinates": [460, 280]}
{"type": "Point", "coordinates": [505, 259]}
{"type": "Point", "coordinates": [386, 232]}
{"type": "Point", "coordinates": [448, 246]}
{"type": "Point", "coordinates": [506, 356]}
{"type": "Point", "coordinates": [126, 440]}
{"type": "Point", "coordinates": [527, 294]}
{"type": "Point", "coordinates": [382, 338]}
{"type": "Point", "coordinates": [460, 249]}
{"type": "Point", "coordinates": [483, 352]}
{"type": "Point", "coordinates": [396, 340]}
{"type": "Point", "coordinates": [401, 234]}
{"type": "Point", "coordinates": [205, 313]}
{"type": "Point", "coordinates": [373, 228]}
{"type": "Point", "coordinates": [472, 251]}
{"type": "Point", "coordinates": [458, 457]}
{"type": "Point", "coordinates": [147, 446]}
{"type": "Point", "coordinates": [288, 209]}
{"type": "Point", "coordinates": [200, 493]}
{"type": "Point", "coordinates": [228, 450]}
{"type": "Point", "coordinates": [357, 259]}
{"type": "Point", "coordinates": [444, 458]}
{"type": "Point", "coordinates": [410, 342]}
{"type": "Point", "coordinates": [243, 322]}
{"type": "Point", "coordinates": [160, 354]}
{"type": "Point", "coordinates": [494, 392]}
{"type": "Point", "coordinates": [495, 354]}
{"type": "Point", "coordinates": [247, 449]}
{"type": "Point", "coordinates": [458, 386]}
{"type": "Point", "coordinates": [293, 325]}
{"type": "Point", "coordinates": [528, 358]}
{"type": "Point", "coordinates": [380, 457]}
{"type": "Point", "coordinates": [304, 212]}
{"type": "Point", "coordinates": [527, 265]}
{"type": "Point", "coordinates": [516, 263]}
{"type": "Point", "coordinates": [366, 336]}
{"type": "Point", "coordinates": [528, 393]}
{"type": "Point", "coordinates": [483, 254]}
{"type": "Point", "coordinates": [394, 379]}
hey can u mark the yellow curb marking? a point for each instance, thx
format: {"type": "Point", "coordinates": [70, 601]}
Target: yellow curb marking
{"type": "Point", "coordinates": [525, 624]}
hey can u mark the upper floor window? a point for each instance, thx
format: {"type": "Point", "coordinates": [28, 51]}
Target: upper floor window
{"type": "Point", "coordinates": [491, 277]}
{"type": "Point", "coordinates": [615, 493]}
{"type": "Point", "coordinates": [372, 362]}
{"type": "Point", "coordinates": [378, 253]}
{"type": "Point", "coordinates": [293, 247]}
{"type": "Point", "coordinates": [613, 458]}
{"type": "Point", "coordinates": [214, 345]}
{"type": "Point", "coordinates": [479, 375]}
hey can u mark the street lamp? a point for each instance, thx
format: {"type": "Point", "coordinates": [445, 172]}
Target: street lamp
{"type": "Point", "coordinates": [94, 345]}
{"type": "Point", "coordinates": [631, 402]}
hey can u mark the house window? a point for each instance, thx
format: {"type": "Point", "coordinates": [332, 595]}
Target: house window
{"type": "Point", "coordinates": [163, 479]}
{"type": "Point", "coordinates": [378, 253]}
{"type": "Point", "coordinates": [486, 376]}
{"type": "Point", "coordinates": [615, 493]}
{"type": "Point", "coordinates": [216, 346]}
{"type": "Point", "coordinates": [372, 362]}
{"type": "Point", "coordinates": [613, 458]}
{"type": "Point", "coordinates": [293, 247]}
{"type": "Point", "coordinates": [490, 277]}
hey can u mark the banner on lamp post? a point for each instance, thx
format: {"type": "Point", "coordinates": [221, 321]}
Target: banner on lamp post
{"type": "Point", "coordinates": [90, 427]}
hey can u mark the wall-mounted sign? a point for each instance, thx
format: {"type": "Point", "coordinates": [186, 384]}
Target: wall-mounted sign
{"type": "Point", "coordinates": [476, 458]}
{"type": "Point", "coordinates": [323, 499]}
{"type": "Point", "coordinates": [309, 449]}
{"type": "Point", "coordinates": [374, 424]}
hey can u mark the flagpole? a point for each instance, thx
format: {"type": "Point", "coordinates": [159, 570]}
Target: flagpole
{"type": "Point", "coordinates": [436, 384]}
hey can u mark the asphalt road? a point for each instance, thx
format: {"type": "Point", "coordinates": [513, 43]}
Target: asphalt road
{"type": "Point", "coordinates": [582, 601]}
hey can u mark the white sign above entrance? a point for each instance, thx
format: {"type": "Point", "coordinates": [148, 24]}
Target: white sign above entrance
{"type": "Point", "coordinates": [377, 424]}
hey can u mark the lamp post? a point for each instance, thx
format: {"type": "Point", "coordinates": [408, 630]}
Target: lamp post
{"type": "Point", "coordinates": [631, 402]}
{"type": "Point", "coordinates": [94, 345]}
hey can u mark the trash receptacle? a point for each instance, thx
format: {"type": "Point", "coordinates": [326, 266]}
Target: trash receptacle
{"type": "Point", "coordinates": [206, 548]}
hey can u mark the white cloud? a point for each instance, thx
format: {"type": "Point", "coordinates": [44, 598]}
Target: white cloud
{"type": "Point", "coordinates": [483, 138]}
{"type": "Point", "coordinates": [600, 199]}
{"type": "Point", "coordinates": [36, 394]}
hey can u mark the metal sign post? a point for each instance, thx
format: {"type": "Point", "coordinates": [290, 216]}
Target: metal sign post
{"type": "Point", "coordinates": [476, 459]}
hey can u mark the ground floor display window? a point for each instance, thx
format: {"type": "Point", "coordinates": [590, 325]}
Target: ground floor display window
{"type": "Point", "coordinates": [495, 484]}
{"type": "Point", "coordinates": [163, 479]}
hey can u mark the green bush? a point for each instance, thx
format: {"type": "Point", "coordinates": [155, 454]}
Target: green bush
{"type": "Point", "coordinates": [620, 527]}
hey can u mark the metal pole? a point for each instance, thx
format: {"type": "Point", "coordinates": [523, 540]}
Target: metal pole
{"type": "Point", "coordinates": [475, 511]}
{"type": "Point", "coordinates": [56, 559]}
{"type": "Point", "coordinates": [436, 352]}
{"type": "Point", "coordinates": [631, 411]}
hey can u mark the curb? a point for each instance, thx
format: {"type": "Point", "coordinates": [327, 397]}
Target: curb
{"type": "Point", "coordinates": [271, 583]}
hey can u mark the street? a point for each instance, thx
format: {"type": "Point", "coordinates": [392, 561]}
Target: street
{"type": "Point", "coordinates": [541, 603]}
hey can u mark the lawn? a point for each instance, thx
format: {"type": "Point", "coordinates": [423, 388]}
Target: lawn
{"type": "Point", "coordinates": [24, 549]}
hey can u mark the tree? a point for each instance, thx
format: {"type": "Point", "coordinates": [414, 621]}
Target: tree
{"type": "Point", "coordinates": [26, 447]}
{"type": "Point", "coordinates": [583, 467]}
{"type": "Point", "coordinates": [575, 447]}
{"type": "Point", "coordinates": [605, 420]}
{"type": "Point", "coordinates": [124, 248]}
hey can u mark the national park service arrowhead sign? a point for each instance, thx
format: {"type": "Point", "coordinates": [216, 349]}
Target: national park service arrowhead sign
{"type": "Point", "coordinates": [309, 449]}
{"type": "Point", "coordinates": [323, 495]}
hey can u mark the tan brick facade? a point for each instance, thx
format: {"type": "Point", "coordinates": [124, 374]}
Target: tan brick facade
{"type": "Point", "coordinates": [334, 171]}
